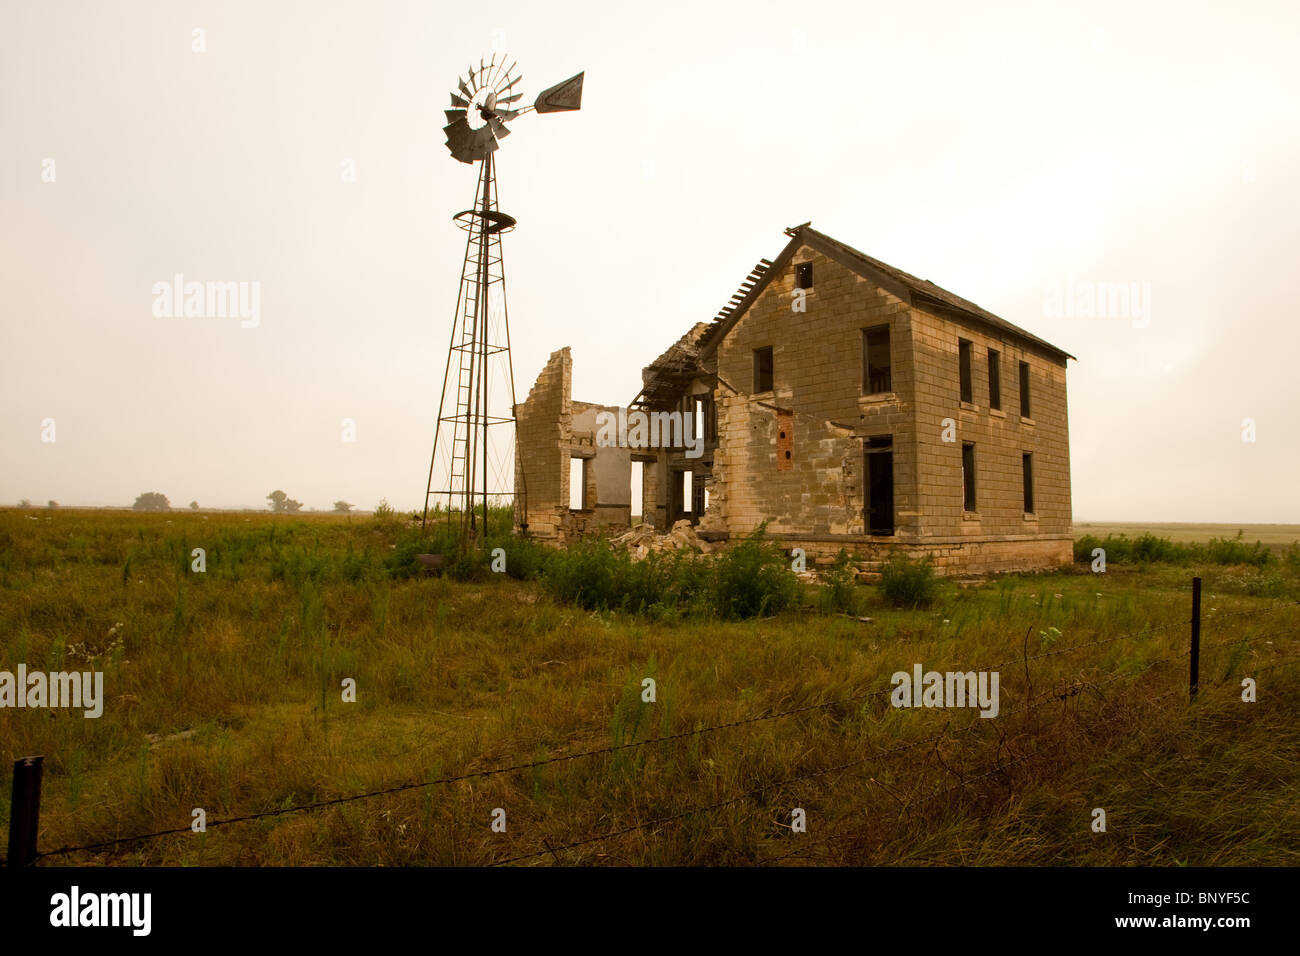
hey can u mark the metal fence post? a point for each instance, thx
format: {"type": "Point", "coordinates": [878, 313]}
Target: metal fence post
{"type": "Point", "coordinates": [25, 811]}
{"type": "Point", "coordinates": [1196, 636]}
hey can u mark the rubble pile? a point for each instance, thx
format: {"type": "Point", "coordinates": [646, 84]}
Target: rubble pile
{"type": "Point", "coordinates": [644, 538]}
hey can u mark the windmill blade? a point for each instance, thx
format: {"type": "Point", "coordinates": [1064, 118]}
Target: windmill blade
{"type": "Point", "coordinates": [508, 115]}
{"type": "Point", "coordinates": [464, 89]}
{"type": "Point", "coordinates": [499, 127]}
{"type": "Point", "coordinates": [457, 101]}
{"type": "Point", "coordinates": [503, 100]}
{"type": "Point", "coordinates": [458, 134]}
{"type": "Point", "coordinates": [484, 141]}
{"type": "Point", "coordinates": [453, 115]}
{"type": "Point", "coordinates": [512, 83]}
{"type": "Point", "coordinates": [460, 141]}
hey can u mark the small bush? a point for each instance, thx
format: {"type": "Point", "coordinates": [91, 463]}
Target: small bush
{"type": "Point", "coordinates": [908, 583]}
{"type": "Point", "coordinates": [838, 592]}
{"type": "Point", "coordinates": [751, 579]}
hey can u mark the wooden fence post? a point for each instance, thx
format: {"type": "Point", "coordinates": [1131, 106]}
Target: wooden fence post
{"type": "Point", "coordinates": [1196, 636]}
{"type": "Point", "coordinates": [25, 811]}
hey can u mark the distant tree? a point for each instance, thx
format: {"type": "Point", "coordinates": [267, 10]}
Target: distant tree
{"type": "Point", "coordinates": [342, 506]}
{"type": "Point", "coordinates": [194, 506]}
{"type": "Point", "coordinates": [52, 503]}
{"type": "Point", "coordinates": [25, 503]}
{"type": "Point", "coordinates": [282, 503]}
{"type": "Point", "coordinates": [152, 501]}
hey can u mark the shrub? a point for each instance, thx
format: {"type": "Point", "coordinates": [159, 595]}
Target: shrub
{"type": "Point", "coordinates": [908, 583]}
{"type": "Point", "coordinates": [589, 573]}
{"type": "Point", "coordinates": [751, 579]}
{"type": "Point", "coordinates": [837, 592]}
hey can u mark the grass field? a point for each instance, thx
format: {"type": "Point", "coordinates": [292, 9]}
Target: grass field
{"type": "Point", "coordinates": [1274, 536]}
{"type": "Point", "coordinates": [223, 693]}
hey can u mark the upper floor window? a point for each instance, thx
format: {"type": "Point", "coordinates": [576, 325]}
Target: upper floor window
{"type": "Point", "coordinates": [1024, 390]}
{"type": "Point", "coordinates": [803, 275]}
{"type": "Point", "coordinates": [763, 369]}
{"type": "Point", "coordinates": [876, 373]}
{"type": "Point", "coordinates": [963, 359]}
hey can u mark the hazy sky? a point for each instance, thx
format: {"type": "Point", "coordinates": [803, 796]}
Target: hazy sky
{"type": "Point", "coordinates": [1011, 152]}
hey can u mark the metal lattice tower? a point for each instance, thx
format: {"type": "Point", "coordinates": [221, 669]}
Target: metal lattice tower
{"type": "Point", "coordinates": [478, 391]}
{"type": "Point", "coordinates": [478, 361]}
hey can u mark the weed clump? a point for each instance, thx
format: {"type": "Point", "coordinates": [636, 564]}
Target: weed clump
{"type": "Point", "coordinates": [908, 583]}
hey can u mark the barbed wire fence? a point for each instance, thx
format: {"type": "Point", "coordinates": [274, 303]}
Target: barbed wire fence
{"type": "Point", "coordinates": [22, 845]}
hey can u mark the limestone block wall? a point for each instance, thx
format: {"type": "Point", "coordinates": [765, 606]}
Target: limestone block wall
{"type": "Point", "coordinates": [1000, 437]}
{"type": "Point", "coordinates": [817, 392]}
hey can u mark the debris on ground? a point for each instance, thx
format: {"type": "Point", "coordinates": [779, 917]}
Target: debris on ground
{"type": "Point", "coordinates": [644, 538]}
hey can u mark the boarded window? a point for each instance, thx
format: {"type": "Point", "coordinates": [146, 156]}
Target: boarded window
{"type": "Point", "coordinates": [577, 484]}
{"type": "Point", "coordinates": [876, 375]}
{"type": "Point", "coordinates": [963, 360]}
{"type": "Point", "coordinates": [1027, 462]}
{"type": "Point", "coordinates": [995, 379]}
{"type": "Point", "coordinates": [968, 476]}
{"type": "Point", "coordinates": [1024, 390]}
{"type": "Point", "coordinates": [763, 369]}
{"type": "Point", "coordinates": [803, 275]}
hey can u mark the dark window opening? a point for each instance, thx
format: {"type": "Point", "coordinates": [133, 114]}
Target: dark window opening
{"type": "Point", "coordinates": [803, 275]}
{"type": "Point", "coordinates": [963, 357]}
{"type": "Point", "coordinates": [763, 369]}
{"type": "Point", "coordinates": [968, 476]}
{"type": "Point", "coordinates": [995, 380]}
{"type": "Point", "coordinates": [1024, 390]}
{"type": "Point", "coordinates": [1027, 461]}
{"type": "Point", "coordinates": [879, 492]}
{"type": "Point", "coordinates": [876, 375]}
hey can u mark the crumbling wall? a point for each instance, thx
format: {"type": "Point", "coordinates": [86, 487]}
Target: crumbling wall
{"type": "Point", "coordinates": [609, 471]}
{"type": "Point", "coordinates": [543, 435]}
{"type": "Point", "coordinates": [552, 429]}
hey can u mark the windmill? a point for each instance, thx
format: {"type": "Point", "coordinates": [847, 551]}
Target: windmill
{"type": "Point", "coordinates": [478, 390]}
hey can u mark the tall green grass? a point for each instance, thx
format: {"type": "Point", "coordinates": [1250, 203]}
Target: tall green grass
{"type": "Point", "coordinates": [1149, 549]}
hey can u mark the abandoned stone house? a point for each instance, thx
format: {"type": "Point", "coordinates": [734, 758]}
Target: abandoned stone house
{"type": "Point", "coordinates": [844, 402]}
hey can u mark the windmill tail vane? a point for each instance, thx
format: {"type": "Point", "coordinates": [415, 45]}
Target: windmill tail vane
{"type": "Point", "coordinates": [472, 462]}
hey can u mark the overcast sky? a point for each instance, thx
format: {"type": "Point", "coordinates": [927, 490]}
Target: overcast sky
{"type": "Point", "coordinates": [1013, 153]}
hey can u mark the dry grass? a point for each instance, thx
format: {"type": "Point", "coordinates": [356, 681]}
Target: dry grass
{"type": "Point", "coordinates": [223, 693]}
